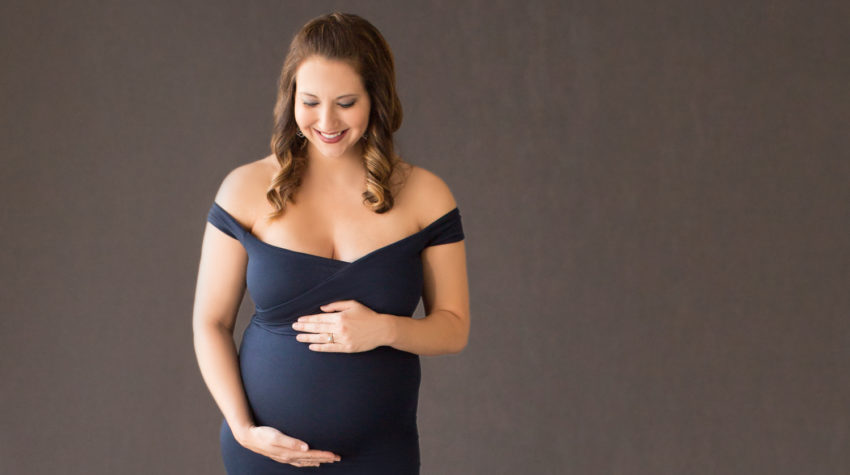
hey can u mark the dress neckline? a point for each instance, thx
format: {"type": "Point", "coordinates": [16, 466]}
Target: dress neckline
{"type": "Point", "coordinates": [331, 259]}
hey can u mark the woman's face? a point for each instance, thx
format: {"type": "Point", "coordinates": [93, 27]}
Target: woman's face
{"type": "Point", "coordinates": [331, 106]}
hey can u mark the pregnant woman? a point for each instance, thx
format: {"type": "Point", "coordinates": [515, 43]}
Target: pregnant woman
{"type": "Point", "coordinates": [337, 239]}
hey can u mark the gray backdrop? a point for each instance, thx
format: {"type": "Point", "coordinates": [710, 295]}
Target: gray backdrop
{"type": "Point", "coordinates": [655, 199]}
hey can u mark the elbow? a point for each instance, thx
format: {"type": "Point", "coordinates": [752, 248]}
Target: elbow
{"type": "Point", "coordinates": [459, 347]}
{"type": "Point", "coordinates": [201, 325]}
{"type": "Point", "coordinates": [462, 341]}
{"type": "Point", "coordinates": [462, 335]}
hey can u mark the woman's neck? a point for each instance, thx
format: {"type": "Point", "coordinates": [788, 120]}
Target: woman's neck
{"type": "Point", "coordinates": [345, 170]}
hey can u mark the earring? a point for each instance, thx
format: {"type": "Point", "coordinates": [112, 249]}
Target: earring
{"type": "Point", "coordinates": [299, 133]}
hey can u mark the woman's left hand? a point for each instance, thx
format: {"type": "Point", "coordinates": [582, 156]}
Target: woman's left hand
{"type": "Point", "coordinates": [354, 327]}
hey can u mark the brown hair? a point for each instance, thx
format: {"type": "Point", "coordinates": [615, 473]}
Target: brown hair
{"type": "Point", "coordinates": [350, 38]}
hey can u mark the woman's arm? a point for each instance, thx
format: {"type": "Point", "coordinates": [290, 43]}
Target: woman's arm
{"type": "Point", "coordinates": [218, 294]}
{"type": "Point", "coordinates": [445, 293]}
{"type": "Point", "coordinates": [220, 289]}
{"type": "Point", "coordinates": [445, 296]}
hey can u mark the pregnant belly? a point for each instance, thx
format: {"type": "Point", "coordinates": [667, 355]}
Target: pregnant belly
{"type": "Point", "coordinates": [332, 401]}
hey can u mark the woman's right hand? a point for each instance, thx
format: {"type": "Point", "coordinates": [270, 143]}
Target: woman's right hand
{"type": "Point", "coordinates": [274, 444]}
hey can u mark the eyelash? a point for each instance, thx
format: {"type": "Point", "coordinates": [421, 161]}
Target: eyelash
{"type": "Point", "coordinates": [344, 106]}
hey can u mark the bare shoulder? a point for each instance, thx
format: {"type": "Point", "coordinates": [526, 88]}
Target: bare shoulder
{"type": "Point", "coordinates": [242, 189]}
{"type": "Point", "coordinates": [429, 194]}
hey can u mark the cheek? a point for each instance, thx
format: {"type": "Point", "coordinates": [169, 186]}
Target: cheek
{"type": "Point", "coordinates": [361, 117]}
{"type": "Point", "coordinates": [302, 115]}
{"type": "Point", "coordinates": [305, 116]}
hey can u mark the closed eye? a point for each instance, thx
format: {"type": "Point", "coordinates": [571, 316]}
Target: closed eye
{"type": "Point", "coordinates": [313, 104]}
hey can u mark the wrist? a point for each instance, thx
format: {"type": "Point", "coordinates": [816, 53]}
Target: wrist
{"type": "Point", "coordinates": [240, 431]}
{"type": "Point", "coordinates": [390, 329]}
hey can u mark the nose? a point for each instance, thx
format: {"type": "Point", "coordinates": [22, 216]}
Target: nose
{"type": "Point", "coordinates": [328, 119]}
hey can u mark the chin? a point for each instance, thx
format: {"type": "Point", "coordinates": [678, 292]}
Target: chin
{"type": "Point", "coordinates": [335, 151]}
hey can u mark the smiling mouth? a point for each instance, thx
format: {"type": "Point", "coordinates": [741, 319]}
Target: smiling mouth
{"type": "Point", "coordinates": [330, 136]}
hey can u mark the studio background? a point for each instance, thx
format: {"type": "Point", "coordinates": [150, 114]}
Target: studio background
{"type": "Point", "coordinates": [654, 194]}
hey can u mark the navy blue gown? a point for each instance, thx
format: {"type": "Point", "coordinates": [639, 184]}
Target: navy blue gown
{"type": "Point", "coordinates": [361, 406]}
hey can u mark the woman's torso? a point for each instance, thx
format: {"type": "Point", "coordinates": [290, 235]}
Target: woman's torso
{"type": "Point", "coordinates": [361, 406]}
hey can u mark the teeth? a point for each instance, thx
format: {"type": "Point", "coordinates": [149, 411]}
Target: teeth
{"type": "Point", "coordinates": [329, 136]}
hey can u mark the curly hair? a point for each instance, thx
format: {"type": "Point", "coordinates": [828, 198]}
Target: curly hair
{"type": "Point", "coordinates": [350, 38]}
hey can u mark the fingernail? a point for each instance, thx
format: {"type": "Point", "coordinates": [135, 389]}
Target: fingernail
{"type": "Point", "coordinates": [303, 446]}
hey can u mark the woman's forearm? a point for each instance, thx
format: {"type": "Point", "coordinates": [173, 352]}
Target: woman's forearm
{"type": "Point", "coordinates": [439, 333]}
{"type": "Point", "coordinates": [219, 364]}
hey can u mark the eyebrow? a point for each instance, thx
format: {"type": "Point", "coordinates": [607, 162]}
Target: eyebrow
{"type": "Point", "coordinates": [338, 97]}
